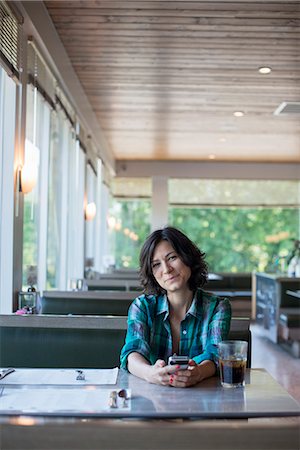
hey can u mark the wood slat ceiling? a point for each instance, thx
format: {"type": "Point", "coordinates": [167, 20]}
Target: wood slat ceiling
{"type": "Point", "coordinates": [165, 77]}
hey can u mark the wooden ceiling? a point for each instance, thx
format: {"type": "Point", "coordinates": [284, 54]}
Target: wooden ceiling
{"type": "Point", "coordinates": [165, 77]}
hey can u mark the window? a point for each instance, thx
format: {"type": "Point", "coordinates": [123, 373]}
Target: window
{"type": "Point", "coordinates": [62, 150]}
{"type": "Point", "coordinates": [76, 188]}
{"type": "Point", "coordinates": [90, 223]}
{"type": "Point", "coordinates": [35, 205]}
{"type": "Point", "coordinates": [129, 225]}
{"type": "Point", "coordinates": [8, 93]}
{"type": "Point", "coordinates": [128, 220]}
{"type": "Point", "coordinates": [241, 225]}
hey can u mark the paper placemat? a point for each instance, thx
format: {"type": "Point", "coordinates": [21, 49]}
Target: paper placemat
{"type": "Point", "coordinates": [86, 400]}
{"type": "Point", "coordinates": [61, 377]}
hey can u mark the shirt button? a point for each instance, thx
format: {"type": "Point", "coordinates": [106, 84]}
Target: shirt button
{"type": "Point", "coordinates": [184, 332]}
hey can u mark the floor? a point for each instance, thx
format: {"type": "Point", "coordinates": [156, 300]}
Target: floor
{"type": "Point", "coordinates": [277, 361]}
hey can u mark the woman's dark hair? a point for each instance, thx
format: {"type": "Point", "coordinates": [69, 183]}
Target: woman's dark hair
{"type": "Point", "coordinates": [187, 251]}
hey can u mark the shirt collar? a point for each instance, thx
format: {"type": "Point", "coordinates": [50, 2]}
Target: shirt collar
{"type": "Point", "coordinates": [195, 308]}
{"type": "Point", "coordinates": [163, 306]}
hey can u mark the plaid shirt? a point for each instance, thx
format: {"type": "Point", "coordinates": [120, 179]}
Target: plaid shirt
{"type": "Point", "coordinates": [206, 323]}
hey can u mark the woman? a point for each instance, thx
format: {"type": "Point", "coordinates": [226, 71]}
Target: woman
{"type": "Point", "coordinates": [174, 315]}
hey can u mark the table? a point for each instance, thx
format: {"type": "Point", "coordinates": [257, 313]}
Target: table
{"type": "Point", "coordinates": [240, 412]}
{"type": "Point", "coordinates": [261, 397]}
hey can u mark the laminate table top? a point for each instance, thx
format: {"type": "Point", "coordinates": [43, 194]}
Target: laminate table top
{"type": "Point", "coordinates": [262, 396]}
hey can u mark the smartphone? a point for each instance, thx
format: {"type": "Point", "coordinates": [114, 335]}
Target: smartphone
{"type": "Point", "coordinates": [182, 361]}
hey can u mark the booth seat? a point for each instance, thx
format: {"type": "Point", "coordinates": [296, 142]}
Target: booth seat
{"type": "Point", "coordinates": [74, 341]}
{"type": "Point", "coordinates": [116, 303]}
{"type": "Point", "coordinates": [230, 282]}
{"type": "Point", "coordinates": [61, 341]}
{"type": "Point", "coordinates": [99, 303]}
{"type": "Point", "coordinates": [114, 284]}
{"type": "Point", "coordinates": [236, 287]}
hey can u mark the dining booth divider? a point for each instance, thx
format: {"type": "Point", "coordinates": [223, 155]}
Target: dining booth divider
{"type": "Point", "coordinates": [99, 303]}
{"type": "Point", "coordinates": [114, 284]}
{"type": "Point", "coordinates": [74, 341]}
{"type": "Point", "coordinates": [235, 286]}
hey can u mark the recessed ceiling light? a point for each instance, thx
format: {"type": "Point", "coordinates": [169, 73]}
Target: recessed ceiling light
{"type": "Point", "coordinates": [265, 70]}
{"type": "Point", "coordinates": [222, 139]}
{"type": "Point", "coordinates": [238, 113]}
{"type": "Point", "coordinates": [211, 156]}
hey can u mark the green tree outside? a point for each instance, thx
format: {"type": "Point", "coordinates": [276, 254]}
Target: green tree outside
{"type": "Point", "coordinates": [234, 239]}
{"type": "Point", "coordinates": [240, 239]}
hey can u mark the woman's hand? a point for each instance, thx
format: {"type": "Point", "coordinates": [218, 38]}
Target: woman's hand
{"type": "Point", "coordinates": [193, 374]}
{"type": "Point", "coordinates": [160, 373]}
{"type": "Point", "coordinates": [163, 374]}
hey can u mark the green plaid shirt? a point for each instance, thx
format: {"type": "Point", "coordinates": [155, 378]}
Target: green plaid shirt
{"type": "Point", "coordinates": [206, 323]}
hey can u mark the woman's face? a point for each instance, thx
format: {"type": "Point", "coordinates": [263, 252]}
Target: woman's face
{"type": "Point", "coordinates": [168, 269]}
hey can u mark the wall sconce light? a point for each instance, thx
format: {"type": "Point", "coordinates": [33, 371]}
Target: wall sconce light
{"type": "Point", "coordinates": [90, 211]}
{"type": "Point", "coordinates": [26, 178]}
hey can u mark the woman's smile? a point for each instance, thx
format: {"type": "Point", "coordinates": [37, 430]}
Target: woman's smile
{"type": "Point", "coordinates": [168, 269]}
{"type": "Point", "coordinates": [173, 277]}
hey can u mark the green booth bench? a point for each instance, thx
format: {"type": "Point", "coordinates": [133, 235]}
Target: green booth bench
{"type": "Point", "coordinates": [100, 303]}
{"type": "Point", "coordinates": [74, 341]}
{"type": "Point", "coordinates": [114, 284]}
{"type": "Point", "coordinates": [61, 341]}
{"type": "Point", "coordinates": [114, 302]}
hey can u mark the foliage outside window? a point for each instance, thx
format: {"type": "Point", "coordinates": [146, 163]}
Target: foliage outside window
{"type": "Point", "coordinates": [242, 225]}
{"type": "Point", "coordinates": [129, 225]}
{"type": "Point", "coordinates": [128, 220]}
{"type": "Point", "coordinates": [240, 239]}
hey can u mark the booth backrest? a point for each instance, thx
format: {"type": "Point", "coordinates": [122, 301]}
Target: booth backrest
{"type": "Point", "coordinates": [52, 341]}
{"type": "Point", "coordinates": [114, 285]}
{"type": "Point", "coordinates": [100, 303]}
{"type": "Point", "coordinates": [230, 282]}
{"type": "Point", "coordinates": [240, 330]}
{"type": "Point", "coordinates": [73, 341]}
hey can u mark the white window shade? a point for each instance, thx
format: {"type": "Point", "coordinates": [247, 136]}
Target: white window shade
{"type": "Point", "coordinates": [131, 187]}
{"type": "Point", "coordinates": [234, 192]}
{"type": "Point", "coordinates": [64, 102]}
{"type": "Point", "coordinates": [41, 77]}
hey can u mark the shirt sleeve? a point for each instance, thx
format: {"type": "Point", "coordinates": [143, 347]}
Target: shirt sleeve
{"type": "Point", "coordinates": [218, 329]}
{"type": "Point", "coordinates": [138, 331]}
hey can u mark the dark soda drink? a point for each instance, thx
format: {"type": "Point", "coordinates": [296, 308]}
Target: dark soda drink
{"type": "Point", "coordinates": [232, 372]}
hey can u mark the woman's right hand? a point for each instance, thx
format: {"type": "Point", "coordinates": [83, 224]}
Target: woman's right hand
{"type": "Point", "coordinates": [158, 373]}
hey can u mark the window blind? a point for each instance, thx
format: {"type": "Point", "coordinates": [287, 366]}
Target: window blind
{"type": "Point", "coordinates": [10, 41]}
{"type": "Point", "coordinates": [62, 100]}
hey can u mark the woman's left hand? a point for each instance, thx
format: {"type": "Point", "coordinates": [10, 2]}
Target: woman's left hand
{"type": "Point", "coordinates": [193, 374]}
